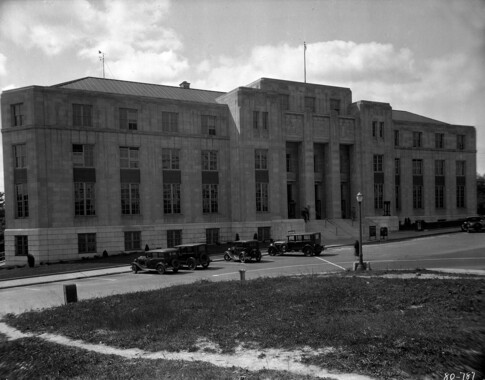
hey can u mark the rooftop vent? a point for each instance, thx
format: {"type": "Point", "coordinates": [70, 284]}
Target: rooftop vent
{"type": "Point", "coordinates": [184, 84]}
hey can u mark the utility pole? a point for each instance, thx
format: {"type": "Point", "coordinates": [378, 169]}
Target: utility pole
{"type": "Point", "coordinates": [101, 58]}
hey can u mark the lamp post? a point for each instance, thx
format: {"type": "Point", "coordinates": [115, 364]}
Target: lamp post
{"type": "Point", "coordinates": [361, 264]}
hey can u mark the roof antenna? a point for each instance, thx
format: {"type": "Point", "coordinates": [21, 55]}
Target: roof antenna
{"type": "Point", "coordinates": [101, 58]}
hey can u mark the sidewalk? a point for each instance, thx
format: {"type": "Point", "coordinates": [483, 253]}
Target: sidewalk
{"type": "Point", "coordinates": [393, 236]}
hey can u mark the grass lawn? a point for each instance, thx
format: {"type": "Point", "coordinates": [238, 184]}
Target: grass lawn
{"type": "Point", "coordinates": [381, 327]}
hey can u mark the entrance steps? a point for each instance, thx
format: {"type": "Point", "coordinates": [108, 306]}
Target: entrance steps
{"type": "Point", "coordinates": [335, 230]}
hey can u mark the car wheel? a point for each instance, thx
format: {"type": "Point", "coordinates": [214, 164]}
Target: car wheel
{"type": "Point", "coordinates": [227, 257]}
{"type": "Point", "coordinates": [175, 265]}
{"type": "Point", "coordinates": [272, 251]}
{"type": "Point", "coordinates": [134, 268]}
{"type": "Point", "coordinates": [204, 261]}
{"type": "Point", "coordinates": [191, 263]}
{"type": "Point", "coordinates": [283, 249]}
{"type": "Point", "coordinates": [258, 256]}
{"type": "Point", "coordinates": [161, 268]}
{"type": "Point", "coordinates": [307, 251]}
{"type": "Point", "coordinates": [318, 251]}
{"type": "Point", "coordinates": [478, 227]}
{"type": "Point", "coordinates": [242, 257]}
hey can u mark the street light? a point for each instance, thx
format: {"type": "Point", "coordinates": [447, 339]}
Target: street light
{"type": "Point", "coordinates": [361, 264]}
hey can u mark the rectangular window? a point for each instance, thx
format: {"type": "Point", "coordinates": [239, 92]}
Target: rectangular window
{"type": "Point", "coordinates": [209, 160]}
{"type": "Point", "coordinates": [174, 237]}
{"type": "Point", "coordinates": [82, 115]}
{"type": "Point", "coordinates": [212, 236]}
{"type": "Point", "coordinates": [130, 198]}
{"type": "Point", "coordinates": [460, 142]}
{"type": "Point", "coordinates": [397, 166]}
{"type": "Point", "coordinates": [256, 121]}
{"type": "Point", "coordinates": [22, 201]}
{"type": "Point", "coordinates": [132, 240]}
{"type": "Point", "coordinates": [378, 158]}
{"type": "Point", "coordinates": [335, 105]}
{"type": "Point", "coordinates": [84, 199]}
{"type": "Point", "coordinates": [439, 140]}
{"type": "Point", "coordinates": [460, 196]}
{"type": "Point", "coordinates": [262, 197]}
{"type": "Point", "coordinates": [21, 245]}
{"type": "Point", "coordinates": [285, 102]}
{"type": "Point", "coordinates": [397, 189]}
{"type": "Point", "coordinates": [460, 168]}
{"type": "Point", "coordinates": [208, 125]}
{"type": "Point", "coordinates": [210, 198]}
{"type": "Point", "coordinates": [17, 111]}
{"type": "Point", "coordinates": [86, 243]}
{"type": "Point", "coordinates": [288, 163]}
{"type": "Point", "coordinates": [171, 159]}
{"type": "Point", "coordinates": [171, 198]}
{"type": "Point", "coordinates": [378, 195]}
{"type": "Point", "coordinates": [170, 121]}
{"type": "Point", "coordinates": [396, 138]}
{"type": "Point", "coordinates": [439, 167]}
{"type": "Point", "coordinates": [310, 103]}
{"type": "Point", "coordinates": [129, 119]}
{"type": "Point", "coordinates": [265, 121]}
{"type": "Point", "coordinates": [439, 196]}
{"type": "Point", "coordinates": [19, 154]}
{"type": "Point", "coordinates": [83, 155]}
{"type": "Point", "coordinates": [417, 196]}
{"type": "Point", "coordinates": [374, 129]}
{"type": "Point", "coordinates": [417, 139]}
{"type": "Point", "coordinates": [129, 158]}
{"type": "Point", "coordinates": [417, 167]}
{"type": "Point", "coordinates": [381, 129]}
{"type": "Point", "coordinates": [261, 159]}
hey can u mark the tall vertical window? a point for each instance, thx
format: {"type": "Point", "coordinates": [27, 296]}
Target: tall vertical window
{"type": "Point", "coordinates": [381, 129]}
{"type": "Point", "coordinates": [417, 196]}
{"type": "Point", "coordinates": [170, 121]}
{"type": "Point", "coordinates": [262, 197]}
{"type": "Point", "coordinates": [212, 236]}
{"type": "Point", "coordinates": [417, 139]}
{"type": "Point", "coordinates": [209, 160]}
{"type": "Point", "coordinates": [261, 159]}
{"type": "Point", "coordinates": [439, 196]}
{"type": "Point", "coordinates": [130, 198]}
{"type": "Point", "coordinates": [378, 158]}
{"type": "Point", "coordinates": [310, 103]}
{"type": "Point", "coordinates": [132, 240]}
{"type": "Point", "coordinates": [439, 167]}
{"type": "Point", "coordinates": [439, 140]}
{"type": "Point", "coordinates": [460, 168]}
{"type": "Point", "coordinates": [397, 190]}
{"type": "Point", "coordinates": [86, 243]}
{"type": "Point", "coordinates": [374, 128]}
{"type": "Point", "coordinates": [19, 154]}
{"type": "Point", "coordinates": [174, 237]}
{"type": "Point", "coordinates": [397, 166]}
{"type": "Point", "coordinates": [460, 142]}
{"type": "Point", "coordinates": [256, 121]}
{"type": "Point", "coordinates": [21, 201]}
{"type": "Point", "coordinates": [265, 121]}
{"type": "Point", "coordinates": [21, 245]}
{"type": "Point", "coordinates": [17, 112]}
{"type": "Point", "coordinates": [84, 199]}
{"type": "Point", "coordinates": [417, 167]}
{"type": "Point", "coordinates": [210, 198]}
{"type": "Point", "coordinates": [171, 198]}
{"type": "Point", "coordinates": [396, 138]}
{"type": "Point", "coordinates": [460, 196]}
{"type": "Point", "coordinates": [285, 102]}
{"type": "Point", "coordinates": [83, 155]}
{"type": "Point", "coordinates": [129, 158]}
{"type": "Point", "coordinates": [171, 159]}
{"type": "Point", "coordinates": [128, 119]}
{"type": "Point", "coordinates": [335, 105]}
{"type": "Point", "coordinates": [378, 195]}
{"type": "Point", "coordinates": [208, 125]}
{"type": "Point", "coordinates": [82, 115]}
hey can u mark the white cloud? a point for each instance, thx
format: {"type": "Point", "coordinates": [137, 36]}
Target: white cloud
{"type": "Point", "coordinates": [3, 65]}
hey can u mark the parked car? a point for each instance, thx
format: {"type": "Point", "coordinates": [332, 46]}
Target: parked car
{"type": "Point", "coordinates": [159, 260]}
{"type": "Point", "coordinates": [192, 255]}
{"type": "Point", "coordinates": [473, 223]}
{"type": "Point", "coordinates": [310, 243]}
{"type": "Point", "coordinates": [244, 251]}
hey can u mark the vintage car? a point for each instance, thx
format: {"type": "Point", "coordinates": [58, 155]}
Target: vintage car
{"type": "Point", "coordinates": [473, 224]}
{"type": "Point", "coordinates": [243, 250]}
{"type": "Point", "coordinates": [192, 255]}
{"type": "Point", "coordinates": [159, 260]}
{"type": "Point", "coordinates": [307, 242]}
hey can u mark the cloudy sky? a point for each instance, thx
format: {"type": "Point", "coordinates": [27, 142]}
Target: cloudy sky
{"type": "Point", "coordinates": [423, 56]}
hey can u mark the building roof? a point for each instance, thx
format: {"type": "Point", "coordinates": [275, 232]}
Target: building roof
{"type": "Point", "coordinates": [113, 86]}
{"type": "Point", "coordinates": [414, 118]}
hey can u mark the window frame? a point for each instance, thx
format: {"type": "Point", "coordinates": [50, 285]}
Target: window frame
{"type": "Point", "coordinates": [21, 245]}
{"type": "Point", "coordinates": [82, 115]}
{"type": "Point", "coordinates": [172, 198]}
{"type": "Point", "coordinates": [132, 240]}
{"type": "Point", "coordinates": [130, 199]}
{"type": "Point", "coordinates": [84, 198]}
{"type": "Point", "coordinates": [21, 201]}
{"type": "Point", "coordinates": [128, 119]}
{"type": "Point", "coordinates": [210, 160]}
{"type": "Point", "coordinates": [209, 125]}
{"type": "Point", "coordinates": [19, 156]}
{"type": "Point", "coordinates": [86, 243]}
{"type": "Point", "coordinates": [210, 198]}
{"type": "Point", "coordinates": [262, 197]}
{"type": "Point", "coordinates": [130, 160]}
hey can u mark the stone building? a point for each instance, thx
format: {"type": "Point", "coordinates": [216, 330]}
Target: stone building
{"type": "Point", "coordinates": [97, 165]}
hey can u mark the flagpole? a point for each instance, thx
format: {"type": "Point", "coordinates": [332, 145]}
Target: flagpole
{"type": "Point", "coordinates": [304, 60]}
{"type": "Point", "coordinates": [101, 58]}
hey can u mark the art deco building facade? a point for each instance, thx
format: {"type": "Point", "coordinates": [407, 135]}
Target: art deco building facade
{"type": "Point", "coordinates": [98, 165]}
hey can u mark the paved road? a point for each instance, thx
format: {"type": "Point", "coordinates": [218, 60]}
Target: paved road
{"type": "Point", "coordinates": [457, 251]}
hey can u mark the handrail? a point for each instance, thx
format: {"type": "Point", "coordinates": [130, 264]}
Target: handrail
{"type": "Point", "coordinates": [333, 224]}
